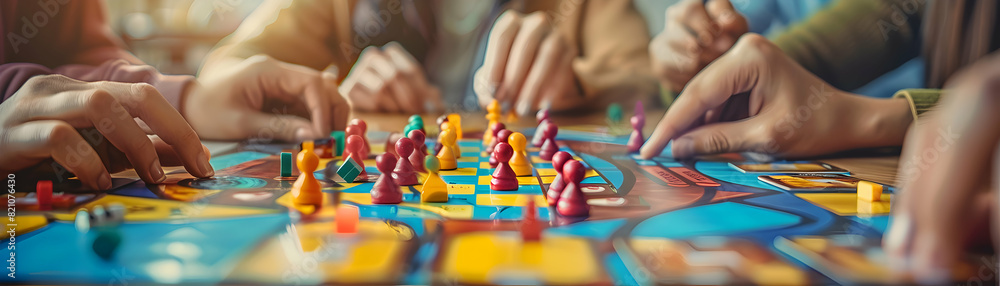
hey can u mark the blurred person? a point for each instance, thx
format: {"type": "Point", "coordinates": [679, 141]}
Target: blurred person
{"type": "Point", "coordinates": [784, 98]}
{"type": "Point", "coordinates": [407, 56]}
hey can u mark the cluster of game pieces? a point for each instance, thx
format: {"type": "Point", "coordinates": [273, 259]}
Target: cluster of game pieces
{"type": "Point", "coordinates": [103, 221]}
{"type": "Point", "coordinates": [46, 200]}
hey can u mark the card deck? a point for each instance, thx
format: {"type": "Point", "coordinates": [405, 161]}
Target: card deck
{"type": "Point", "coordinates": [812, 182]}
{"type": "Point", "coordinates": [787, 167]}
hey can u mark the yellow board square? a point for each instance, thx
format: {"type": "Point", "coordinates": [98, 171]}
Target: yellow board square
{"type": "Point", "coordinates": [511, 200]}
{"type": "Point", "coordinates": [468, 159]}
{"type": "Point", "coordinates": [847, 203]}
{"type": "Point", "coordinates": [481, 257]}
{"type": "Point", "coordinates": [547, 179]}
{"type": "Point", "coordinates": [485, 165]}
{"type": "Point", "coordinates": [546, 172]}
{"type": "Point", "coordinates": [459, 172]}
{"type": "Point", "coordinates": [527, 180]}
{"type": "Point", "coordinates": [456, 189]}
{"type": "Point", "coordinates": [469, 149]}
{"type": "Point", "coordinates": [536, 159]}
{"type": "Point", "coordinates": [590, 173]}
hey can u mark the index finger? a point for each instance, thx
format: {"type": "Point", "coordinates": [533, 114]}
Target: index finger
{"type": "Point", "coordinates": [145, 102]}
{"type": "Point", "coordinates": [708, 89]}
{"type": "Point", "coordinates": [498, 47]}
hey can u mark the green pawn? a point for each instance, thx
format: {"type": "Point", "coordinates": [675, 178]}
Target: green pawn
{"type": "Point", "coordinates": [615, 113]}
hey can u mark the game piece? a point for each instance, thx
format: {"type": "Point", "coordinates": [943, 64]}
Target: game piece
{"type": "Point", "coordinates": [504, 177]}
{"type": "Point", "coordinates": [869, 191]}
{"type": "Point", "coordinates": [354, 130]}
{"type": "Point", "coordinates": [435, 190]}
{"type": "Point", "coordinates": [636, 139]}
{"type": "Point", "coordinates": [519, 162]}
{"type": "Point", "coordinates": [43, 193]}
{"type": "Point", "coordinates": [286, 164]}
{"type": "Point", "coordinates": [347, 218]}
{"type": "Point", "coordinates": [559, 182]}
{"type": "Point", "coordinates": [353, 150]}
{"type": "Point", "coordinates": [543, 120]}
{"type": "Point", "coordinates": [347, 172]}
{"type": "Point", "coordinates": [571, 201]}
{"type": "Point", "coordinates": [326, 148]}
{"type": "Point", "coordinates": [419, 140]}
{"type": "Point", "coordinates": [492, 118]}
{"type": "Point", "coordinates": [310, 145]}
{"type": "Point", "coordinates": [306, 189]}
{"type": "Point", "coordinates": [339, 138]}
{"type": "Point", "coordinates": [385, 190]}
{"type": "Point", "coordinates": [404, 173]}
{"type": "Point", "coordinates": [454, 147]}
{"type": "Point", "coordinates": [362, 130]}
{"type": "Point", "coordinates": [456, 121]}
{"type": "Point", "coordinates": [494, 131]}
{"type": "Point", "coordinates": [106, 243]}
{"type": "Point", "coordinates": [549, 148]}
{"type": "Point", "coordinates": [502, 137]}
{"type": "Point", "coordinates": [82, 220]}
{"type": "Point", "coordinates": [615, 113]}
{"type": "Point", "coordinates": [63, 201]}
{"type": "Point", "coordinates": [531, 229]}
{"type": "Point", "coordinates": [417, 157]}
{"type": "Point", "coordinates": [447, 155]}
{"type": "Point", "coordinates": [390, 142]}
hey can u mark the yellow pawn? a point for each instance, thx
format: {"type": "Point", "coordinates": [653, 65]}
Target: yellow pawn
{"type": "Point", "coordinates": [456, 121]}
{"type": "Point", "coordinates": [447, 155]}
{"type": "Point", "coordinates": [492, 116]}
{"type": "Point", "coordinates": [306, 189]}
{"type": "Point", "coordinates": [454, 147]}
{"type": "Point", "coordinates": [519, 162]}
{"type": "Point", "coordinates": [435, 190]}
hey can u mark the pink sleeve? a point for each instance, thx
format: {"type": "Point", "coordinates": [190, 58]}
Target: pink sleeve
{"type": "Point", "coordinates": [172, 87]}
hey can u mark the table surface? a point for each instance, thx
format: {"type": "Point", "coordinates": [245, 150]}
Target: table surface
{"type": "Point", "coordinates": [881, 169]}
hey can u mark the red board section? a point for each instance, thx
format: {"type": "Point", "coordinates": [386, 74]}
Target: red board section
{"type": "Point", "coordinates": [665, 175]}
{"type": "Point", "coordinates": [695, 177]}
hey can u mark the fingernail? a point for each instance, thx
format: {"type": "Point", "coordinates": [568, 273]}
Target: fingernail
{"type": "Point", "coordinates": [682, 147]}
{"type": "Point", "coordinates": [206, 167]}
{"type": "Point", "coordinates": [156, 171]}
{"type": "Point", "coordinates": [104, 181]}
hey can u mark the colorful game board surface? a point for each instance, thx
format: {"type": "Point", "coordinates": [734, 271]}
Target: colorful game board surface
{"type": "Point", "coordinates": [659, 221]}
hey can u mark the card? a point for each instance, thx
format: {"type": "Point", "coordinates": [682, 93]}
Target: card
{"type": "Point", "coordinates": [812, 182]}
{"type": "Point", "coordinates": [787, 167]}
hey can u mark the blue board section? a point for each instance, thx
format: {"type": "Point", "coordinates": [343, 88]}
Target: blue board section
{"type": "Point", "coordinates": [197, 251]}
{"type": "Point", "coordinates": [598, 229]}
{"type": "Point", "coordinates": [726, 218]}
{"type": "Point", "coordinates": [229, 160]}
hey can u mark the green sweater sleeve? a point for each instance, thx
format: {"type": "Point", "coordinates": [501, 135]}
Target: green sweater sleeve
{"type": "Point", "coordinates": [853, 42]}
{"type": "Point", "coordinates": [920, 100]}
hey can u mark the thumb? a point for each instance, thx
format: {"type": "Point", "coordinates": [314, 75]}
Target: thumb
{"type": "Point", "coordinates": [731, 22]}
{"type": "Point", "coordinates": [722, 137]}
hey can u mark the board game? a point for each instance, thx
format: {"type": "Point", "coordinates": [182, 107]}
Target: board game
{"type": "Point", "coordinates": [659, 221]}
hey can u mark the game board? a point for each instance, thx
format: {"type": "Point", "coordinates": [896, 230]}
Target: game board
{"type": "Point", "coordinates": [659, 221]}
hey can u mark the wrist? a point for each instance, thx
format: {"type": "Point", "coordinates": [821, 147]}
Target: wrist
{"type": "Point", "coordinates": [881, 122]}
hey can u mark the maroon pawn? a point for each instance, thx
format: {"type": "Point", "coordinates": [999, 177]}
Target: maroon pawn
{"type": "Point", "coordinates": [504, 178]}
{"type": "Point", "coordinates": [549, 148]}
{"type": "Point", "coordinates": [635, 140]}
{"type": "Point", "coordinates": [353, 149]}
{"type": "Point", "coordinates": [363, 126]}
{"type": "Point", "coordinates": [420, 152]}
{"type": "Point", "coordinates": [495, 129]}
{"type": "Point", "coordinates": [390, 143]}
{"type": "Point", "coordinates": [572, 201]}
{"type": "Point", "coordinates": [531, 229]}
{"type": "Point", "coordinates": [502, 137]}
{"type": "Point", "coordinates": [558, 183]}
{"type": "Point", "coordinates": [540, 133]}
{"type": "Point", "coordinates": [385, 190]}
{"type": "Point", "coordinates": [404, 174]}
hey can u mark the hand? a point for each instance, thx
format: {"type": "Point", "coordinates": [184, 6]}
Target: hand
{"type": "Point", "coordinates": [261, 97]}
{"type": "Point", "coordinates": [693, 36]}
{"type": "Point", "coordinates": [389, 80]}
{"type": "Point", "coordinates": [755, 98]}
{"type": "Point", "coordinates": [56, 117]}
{"type": "Point", "coordinates": [947, 189]}
{"type": "Point", "coordinates": [528, 64]}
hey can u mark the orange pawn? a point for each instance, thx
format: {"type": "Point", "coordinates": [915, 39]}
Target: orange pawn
{"type": "Point", "coordinates": [306, 189]}
{"type": "Point", "coordinates": [447, 157]}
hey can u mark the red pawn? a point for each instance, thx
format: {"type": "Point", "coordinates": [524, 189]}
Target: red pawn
{"type": "Point", "coordinates": [635, 140]}
{"type": "Point", "coordinates": [404, 174]}
{"type": "Point", "coordinates": [540, 131]}
{"type": "Point", "coordinates": [559, 182]}
{"type": "Point", "coordinates": [572, 202]}
{"type": "Point", "coordinates": [353, 150]}
{"type": "Point", "coordinates": [549, 147]}
{"type": "Point", "coordinates": [354, 130]}
{"type": "Point", "coordinates": [385, 190]}
{"type": "Point", "coordinates": [531, 230]}
{"type": "Point", "coordinates": [43, 194]}
{"type": "Point", "coordinates": [502, 137]}
{"type": "Point", "coordinates": [420, 150]}
{"type": "Point", "coordinates": [504, 178]}
{"type": "Point", "coordinates": [496, 130]}
{"type": "Point", "coordinates": [363, 126]}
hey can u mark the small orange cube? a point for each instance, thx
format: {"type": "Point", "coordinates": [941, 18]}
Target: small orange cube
{"type": "Point", "coordinates": [347, 218]}
{"type": "Point", "coordinates": [869, 191]}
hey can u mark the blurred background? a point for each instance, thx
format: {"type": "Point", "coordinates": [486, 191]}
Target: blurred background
{"type": "Point", "coordinates": [176, 35]}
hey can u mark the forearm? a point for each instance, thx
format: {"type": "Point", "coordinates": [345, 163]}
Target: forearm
{"type": "Point", "coordinates": [880, 122]}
